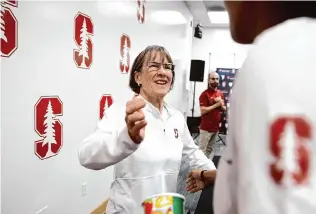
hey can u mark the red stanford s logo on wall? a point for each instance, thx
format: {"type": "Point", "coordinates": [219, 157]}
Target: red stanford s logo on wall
{"type": "Point", "coordinates": [141, 11]}
{"type": "Point", "coordinates": [48, 127]}
{"type": "Point", "coordinates": [9, 29]}
{"type": "Point", "coordinates": [83, 38]}
{"type": "Point", "coordinates": [125, 53]}
{"type": "Point", "coordinates": [105, 102]}
{"type": "Point", "coordinates": [11, 2]}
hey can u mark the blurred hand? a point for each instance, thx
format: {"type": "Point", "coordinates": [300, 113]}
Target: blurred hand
{"type": "Point", "coordinates": [193, 182]}
{"type": "Point", "coordinates": [217, 99]}
{"type": "Point", "coordinates": [222, 102]}
{"type": "Point", "coordinates": [195, 174]}
{"type": "Point", "coordinates": [135, 119]}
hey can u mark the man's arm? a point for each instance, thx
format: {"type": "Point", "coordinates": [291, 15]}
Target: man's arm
{"type": "Point", "coordinates": [205, 110]}
{"type": "Point", "coordinates": [209, 177]}
{"type": "Point", "coordinates": [225, 190]}
{"type": "Point", "coordinates": [223, 106]}
{"type": "Point", "coordinates": [243, 111]}
{"type": "Point", "coordinates": [204, 102]}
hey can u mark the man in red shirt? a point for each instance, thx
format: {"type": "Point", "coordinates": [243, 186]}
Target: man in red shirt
{"type": "Point", "coordinates": [211, 106]}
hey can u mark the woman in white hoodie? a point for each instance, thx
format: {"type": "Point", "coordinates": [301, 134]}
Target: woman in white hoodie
{"type": "Point", "coordinates": [145, 139]}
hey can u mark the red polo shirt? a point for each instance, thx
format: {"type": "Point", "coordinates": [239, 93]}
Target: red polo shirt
{"type": "Point", "coordinates": [210, 121]}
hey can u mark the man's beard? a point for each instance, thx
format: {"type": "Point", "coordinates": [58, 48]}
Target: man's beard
{"type": "Point", "coordinates": [213, 85]}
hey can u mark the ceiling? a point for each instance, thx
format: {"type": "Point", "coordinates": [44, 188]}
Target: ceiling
{"type": "Point", "coordinates": [199, 10]}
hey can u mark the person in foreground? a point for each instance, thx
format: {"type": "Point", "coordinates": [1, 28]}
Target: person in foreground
{"type": "Point", "coordinates": [269, 163]}
{"type": "Point", "coordinates": [145, 139]}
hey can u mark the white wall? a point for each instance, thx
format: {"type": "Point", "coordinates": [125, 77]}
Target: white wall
{"type": "Point", "coordinates": [225, 53]}
{"type": "Point", "coordinates": [43, 65]}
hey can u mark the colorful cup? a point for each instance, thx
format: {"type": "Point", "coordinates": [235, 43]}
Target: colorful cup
{"type": "Point", "coordinates": [164, 203]}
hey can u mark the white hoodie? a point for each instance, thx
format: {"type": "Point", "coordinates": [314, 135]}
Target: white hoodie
{"type": "Point", "coordinates": [144, 169]}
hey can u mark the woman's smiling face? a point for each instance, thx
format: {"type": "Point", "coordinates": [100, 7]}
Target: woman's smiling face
{"type": "Point", "coordinates": [156, 76]}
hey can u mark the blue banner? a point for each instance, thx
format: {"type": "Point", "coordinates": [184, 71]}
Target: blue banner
{"type": "Point", "coordinates": [226, 81]}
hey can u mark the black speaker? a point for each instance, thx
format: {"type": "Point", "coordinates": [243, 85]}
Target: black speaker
{"type": "Point", "coordinates": [193, 124]}
{"type": "Point", "coordinates": [197, 70]}
{"type": "Point", "coordinates": [198, 31]}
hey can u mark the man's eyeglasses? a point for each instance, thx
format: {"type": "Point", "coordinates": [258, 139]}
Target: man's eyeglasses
{"type": "Point", "coordinates": [155, 66]}
{"type": "Point", "coordinates": [214, 78]}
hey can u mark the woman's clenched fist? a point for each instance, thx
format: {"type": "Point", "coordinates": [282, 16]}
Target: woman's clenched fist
{"type": "Point", "coordinates": [135, 119]}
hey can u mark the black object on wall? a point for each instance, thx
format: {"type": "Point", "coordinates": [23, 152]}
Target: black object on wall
{"type": "Point", "coordinates": [198, 32]}
{"type": "Point", "coordinates": [197, 70]}
{"type": "Point", "coordinates": [196, 75]}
